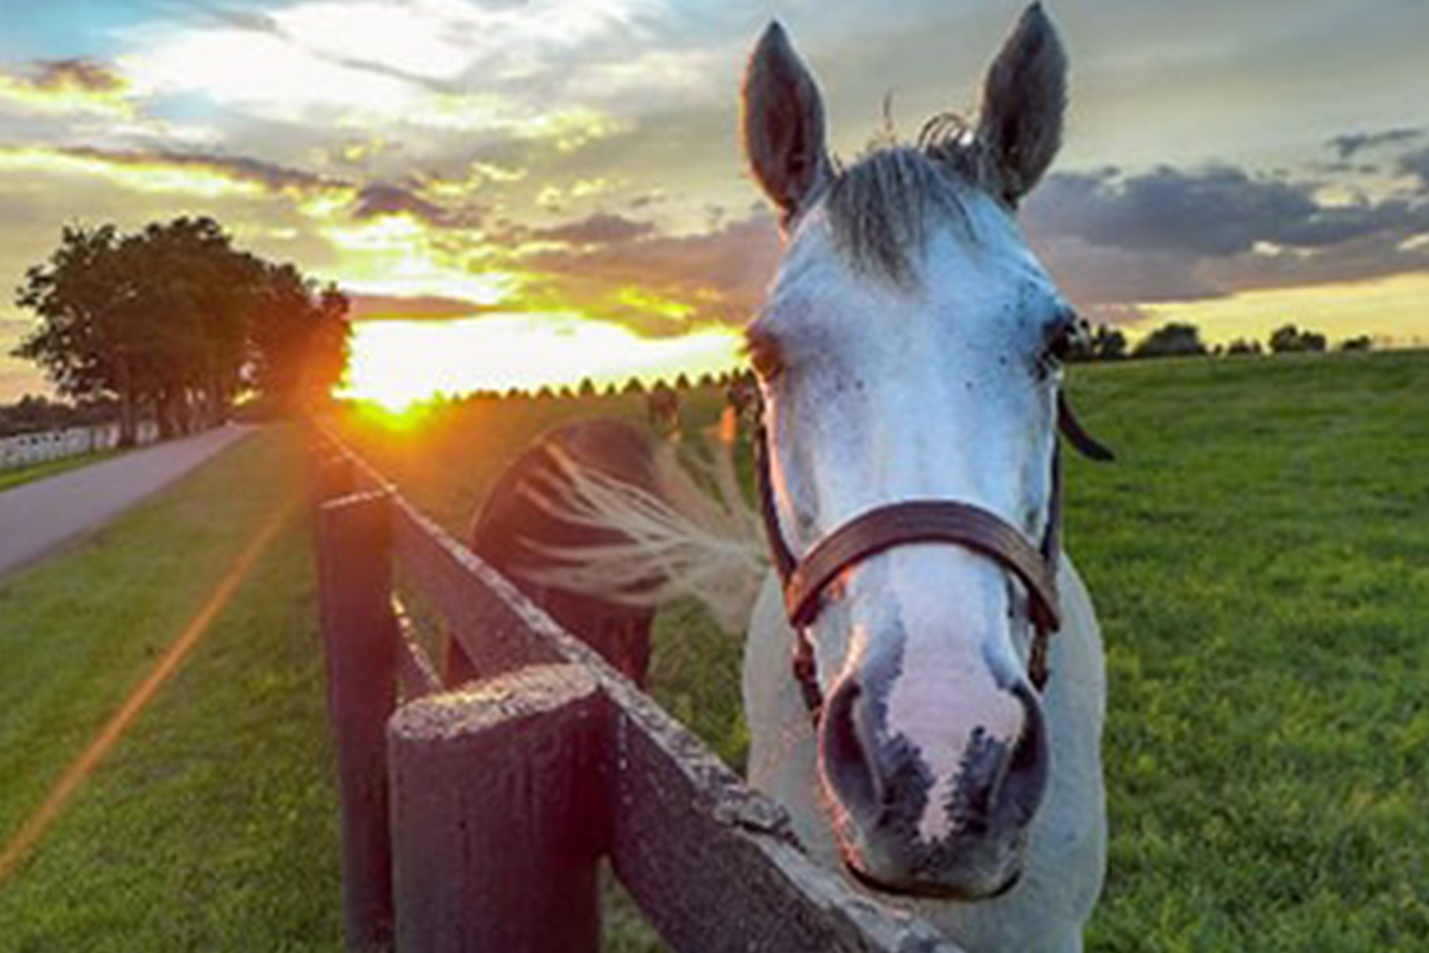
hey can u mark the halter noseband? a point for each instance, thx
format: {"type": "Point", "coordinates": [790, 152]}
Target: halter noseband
{"type": "Point", "coordinates": [921, 521]}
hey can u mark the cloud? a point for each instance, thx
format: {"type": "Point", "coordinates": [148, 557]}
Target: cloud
{"type": "Point", "coordinates": [1417, 164]}
{"type": "Point", "coordinates": [1172, 234]}
{"type": "Point", "coordinates": [78, 73]}
{"type": "Point", "coordinates": [1351, 144]}
{"type": "Point", "coordinates": [383, 198]}
{"type": "Point", "coordinates": [251, 20]}
{"type": "Point", "coordinates": [267, 175]}
{"type": "Point", "coordinates": [68, 87]}
{"type": "Point", "coordinates": [602, 228]}
{"type": "Point", "coordinates": [716, 276]}
{"type": "Point", "coordinates": [1219, 211]}
{"type": "Point", "coordinates": [436, 64]}
{"type": "Point", "coordinates": [374, 307]}
{"type": "Point", "coordinates": [1099, 276]}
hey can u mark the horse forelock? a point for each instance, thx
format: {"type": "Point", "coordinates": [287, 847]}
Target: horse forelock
{"type": "Point", "coordinates": [883, 208]}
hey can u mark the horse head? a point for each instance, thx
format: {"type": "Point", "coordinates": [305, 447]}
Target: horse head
{"type": "Point", "coordinates": [909, 352]}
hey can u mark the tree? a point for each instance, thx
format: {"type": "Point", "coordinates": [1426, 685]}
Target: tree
{"type": "Point", "coordinates": [1286, 338]}
{"type": "Point", "coordinates": [1171, 340]}
{"type": "Point", "coordinates": [191, 307]}
{"type": "Point", "coordinates": [299, 338]}
{"type": "Point", "coordinates": [168, 319]}
{"type": "Point", "coordinates": [1243, 346]}
{"type": "Point", "coordinates": [329, 346]}
{"type": "Point", "coordinates": [1108, 344]}
{"type": "Point", "coordinates": [1360, 343]}
{"type": "Point", "coordinates": [1289, 338]}
{"type": "Point", "coordinates": [86, 342]}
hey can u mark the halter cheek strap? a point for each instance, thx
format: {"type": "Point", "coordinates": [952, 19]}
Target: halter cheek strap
{"type": "Point", "coordinates": [921, 521]}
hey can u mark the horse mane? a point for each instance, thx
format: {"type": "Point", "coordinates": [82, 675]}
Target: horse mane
{"type": "Point", "coordinates": [882, 208]}
{"type": "Point", "coordinates": [679, 540]}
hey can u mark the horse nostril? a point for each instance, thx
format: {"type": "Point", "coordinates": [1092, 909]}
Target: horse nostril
{"type": "Point", "coordinates": [1027, 775]}
{"type": "Point", "coordinates": [847, 763]}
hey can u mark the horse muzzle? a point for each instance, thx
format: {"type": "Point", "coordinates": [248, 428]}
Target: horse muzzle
{"type": "Point", "coordinates": [884, 792]}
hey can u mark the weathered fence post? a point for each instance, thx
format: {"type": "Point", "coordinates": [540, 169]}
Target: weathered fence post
{"type": "Point", "coordinates": [360, 635]}
{"type": "Point", "coordinates": [330, 475]}
{"type": "Point", "coordinates": [500, 813]}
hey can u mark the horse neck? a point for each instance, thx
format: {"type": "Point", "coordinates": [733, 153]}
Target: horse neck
{"type": "Point", "coordinates": [783, 758]}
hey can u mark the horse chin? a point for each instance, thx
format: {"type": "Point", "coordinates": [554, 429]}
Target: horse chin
{"type": "Point", "coordinates": [977, 875]}
{"type": "Point", "coordinates": [932, 889]}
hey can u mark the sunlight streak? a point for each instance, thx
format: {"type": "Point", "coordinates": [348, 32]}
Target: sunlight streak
{"type": "Point", "coordinates": [60, 795]}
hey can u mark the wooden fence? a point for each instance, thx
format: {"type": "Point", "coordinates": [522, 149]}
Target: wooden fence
{"type": "Point", "coordinates": [476, 818]}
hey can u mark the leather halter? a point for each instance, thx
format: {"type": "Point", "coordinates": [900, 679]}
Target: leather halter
{"type": "Point", "coordinates": [921, 521]}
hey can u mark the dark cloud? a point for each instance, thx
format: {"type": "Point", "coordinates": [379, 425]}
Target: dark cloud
{"type": "Point", "coordinates": [722, 274]}
{"type": "Point", "coordinates": [78, 73]}
{"type": "Point", "coordinates": [1349, 145]}
{"type": "Point", "coordinates": [646, 199]}
{"type": "Point", "coordinates": [274, 177]}
{"type": "Point", "coordinates": [602, 228]}
{"type": "Point", "coordinates": [368, 307]}
{"type": "Point", "coordinates": [253, 21]}
{"type": "Point", "coordinates": [384, 198]}
{"type": "Point", "coordinates": [1417, 164]}
{"type": "Point", "coordinates": [1220, 211]}
{"type": "Point", "coordinates": [1171, 234]}
{"type": "Point", "coordinates": [1101, 276]}
{"type": "Point", "coordinates": [1342, 169]}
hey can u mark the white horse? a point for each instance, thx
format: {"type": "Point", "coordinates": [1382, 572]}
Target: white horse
{"type": "Point", "coordinates": [908, 358]}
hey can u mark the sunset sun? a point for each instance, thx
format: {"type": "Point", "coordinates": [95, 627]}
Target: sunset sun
{"type": "Point", "coordinates": [397, 363]}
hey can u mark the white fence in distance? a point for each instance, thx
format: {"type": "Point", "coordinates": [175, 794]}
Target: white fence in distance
{"type": "Point", "coordinates": [29, 449]}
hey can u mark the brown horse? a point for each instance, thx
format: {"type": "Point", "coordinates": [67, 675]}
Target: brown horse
{"type": "Point", "coordinates": [516, 527]}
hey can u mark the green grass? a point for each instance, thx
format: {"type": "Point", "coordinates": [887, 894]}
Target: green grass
{"type": "Point", "coordinates": [38, 471]}
{"type": "Point", "coordinates": [1259, 557]}
{"type": "Point", "coordinates": [212, 825]}
{"type": "Point", "coordinates": [1260, 561]}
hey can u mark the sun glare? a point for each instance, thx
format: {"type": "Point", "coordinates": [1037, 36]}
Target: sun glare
{"type": "Point", "coordinates": [399, 363]}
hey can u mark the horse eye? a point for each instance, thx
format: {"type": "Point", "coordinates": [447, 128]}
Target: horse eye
{"type": "Point", "coordinates": [764, 356]}
{"type": "Point", "coordinates": [1066, 336]}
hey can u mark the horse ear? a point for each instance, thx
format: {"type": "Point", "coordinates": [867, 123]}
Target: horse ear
{"type": "Point", "coordinates": [783, 123]}
{"type": "Point", "coordinates": [1024, 100]}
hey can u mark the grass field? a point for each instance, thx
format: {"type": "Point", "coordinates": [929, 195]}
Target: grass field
{"type": "Point", "coordinates": [1259, 557]}
{"type": "Point", "coordinates": [212, 824]}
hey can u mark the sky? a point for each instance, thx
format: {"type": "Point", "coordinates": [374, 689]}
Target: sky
{"type": "Point", "coordinates": [572, 167]}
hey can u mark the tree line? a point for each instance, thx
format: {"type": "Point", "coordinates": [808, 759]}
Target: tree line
{"type": "Point", "coordinates": [1180, 339]}
{"type": "Point", "coordinates": [174, 322]}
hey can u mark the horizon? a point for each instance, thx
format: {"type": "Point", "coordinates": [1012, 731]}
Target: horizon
{"type": "Point", "coordinates": [453, 164]}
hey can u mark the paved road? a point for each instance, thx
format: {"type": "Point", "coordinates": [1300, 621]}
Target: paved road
{"type": "Point", "coordinates": [36, 518]}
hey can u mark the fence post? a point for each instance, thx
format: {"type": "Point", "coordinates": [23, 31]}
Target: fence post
{"type": "Point", "coordinates": [330, 475]}
{"type": "Point", "coordinates": [500, 813]}
{"type": "Point", "coordinates": [360, 636]}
